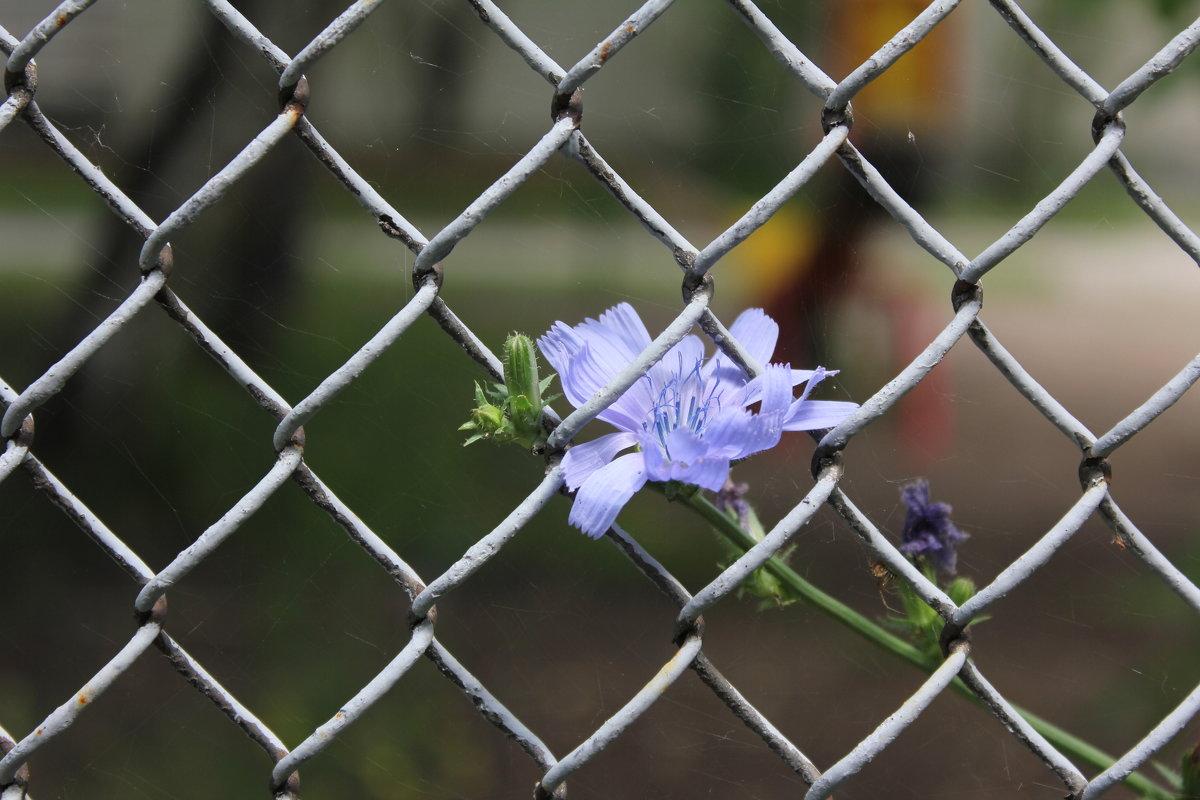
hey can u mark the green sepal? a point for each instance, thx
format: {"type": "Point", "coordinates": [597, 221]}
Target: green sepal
{"type": "Point", "coordinates": [920, 621]}
{"type": "Point", "coordinates": [512, 411]}
{"type": "Point", "coordinates": [1189, 775]}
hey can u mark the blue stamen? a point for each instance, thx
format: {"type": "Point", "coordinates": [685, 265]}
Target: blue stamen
{"type": "Point", "coordinates": [668, 412]}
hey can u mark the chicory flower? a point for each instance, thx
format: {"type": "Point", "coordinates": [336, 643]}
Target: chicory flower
{"type": "Point", "coordinates": [688, 416]}
{"type": "Point", "coordinates": [928, 533]}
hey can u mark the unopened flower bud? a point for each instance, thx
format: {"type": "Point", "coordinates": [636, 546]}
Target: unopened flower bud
{"type": "Point", "coordinates": [520, 368]}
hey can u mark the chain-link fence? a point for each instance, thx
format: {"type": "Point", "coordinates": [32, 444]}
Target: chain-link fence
{"type": "Point", "coordinates": [699, 268]}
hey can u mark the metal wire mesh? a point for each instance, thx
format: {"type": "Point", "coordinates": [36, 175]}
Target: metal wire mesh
{"type": "Point", "coordinates": [699, 268]}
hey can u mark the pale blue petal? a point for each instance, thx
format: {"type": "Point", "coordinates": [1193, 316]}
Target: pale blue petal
{"type": "Point", "coordinates": [726, 435]}
{"type": "Point", "coordinates": [582, 460]}
{"type": "Point", "coordinates": [799, 376]}
{"type": "Point", "coordinates": [737, 433]}
{"type": "Point", "coordinates": [559, 344]}
{"type": "Point", "coordinates": [819, 374]}
{"type": "Point", "coordinates": [623, 327]}
{"type": "Point", "coordinates": [692, 460]}
{"type": "Point", "coordinates": [605, 493]}
{"type": "Point", "coordinates": [586, 375]}
{"type": "Point", "coordinates": [685, 446]}
{"type": "Point", "coordinates": [814, 415]}
{"type": "Point", "coordinates": [707, 473]}
{"type": "Point", "coordinates": [589, 355]}
{"type": "Point", "coordinates": [608, 355]}
{"type": "Point", "coordinates": [658, 468]}
{"type": "Point", "coordinates": [756, 333]}
{"type": "Point", "coordinates": [775, 388]}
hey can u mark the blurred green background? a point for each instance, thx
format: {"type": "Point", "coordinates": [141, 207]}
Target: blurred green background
{"type": "Point", "coordinates": [431, 107]}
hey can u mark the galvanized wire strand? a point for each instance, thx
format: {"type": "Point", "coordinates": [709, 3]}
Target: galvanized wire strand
{"type": "Point", "coordinates": [784, 50]}
{"type": "Point", "coordinates": [390, 220]}
{"type": "Point", "coordinates": [1148, 411]}
{"type": "Point", "coordinates": [1029, 388]}
{"type": "Point", "coordinates": [354, 708]}
{"type": "Point", "coordinates": [57, 493]}
{"type": "Point", "coordinates": [606, 48]}
{"type": "Point", "coordinates": [15, 450]}
{"type": "Point", "coordinates": [54, 378]}
{"type": "Point", "coordinates": [924, 234]}
{"type": "Point", "coordinates": [778, 537]}
{"type": "Point", "coordinates": [367, 539]}
{"type": "Point", "coordinates": [565, 136]}
{"type": "Point", "coordinates": [1020, 728]}
{"type": "Point", "coordinates": [19, 86]}
{"type": "Point", "coordinates": [17, 789]}
{"type": "Point", "coordinates": [187, 560]}
{"type": "Point", "coordinates": [341, 27]}
{"type": "Point", "coordinates": [904, 40]}
{"type": "Point", "coordinates": [491, 15]}
{"type": "Point", "coordinates": [13, 105]}
{"type": "Point", "coordinates": [649, 566]}
{"type": "Point", "coordinates": [888, 555]}
{"type": "Point", "coordinates": [891, 392]}
{"type": "Point", "coordinates": [216, 186]}
{"type": "Point", "coordinates": [199, 678]}
{"type": "Point", "coordinates": [619, 722]}
{"type": "Point", "coordinates": [1050, 53]}
{"type": "Point", "coordinates": [1050, 205]}
{"type": "Point", "coordinates": [489, 707]}
{"type": "Point", "coordinates": [1029, 561]}
{"type": "Point", "coordinates": [1162, 733]}
{"type": "Point", "coordinates": [479, 553]}
{"type": "Point", "coordinates": [728, 344]}
{"type": "Point", "coordinates": [642, 211]}
{"type": "Point", "coordinates": [444, 240]}
{"type": "Point", "coordinates": [1133, 539]}
{"type": "Point", "coordinates": [366, 355]}
{"type": "Point", "coordinates": [772, 201]}
{"type": "Point", "coordinates": [129, 212]}
{"type": "Point", "coordinates": [620, 382]}
{"type": "Point", "coordinates": [1154, 206]}
{"type": "Point", "coordinates": [66, 714]}
{"type": "Point", "coordinates": [471, 344]}
{"type": "Point", "coordinates": [866, 750]}
{"type": "Point", "coordinates": [754, 719]}
{"type": "Point", "coordinates": [262, 392]}
{"type": "Point", "coordinates": [1163, 63]}
{"type": "Point", "coordinates": [245, 30]}
{"type": "Point", "coordinates": [43, 32]}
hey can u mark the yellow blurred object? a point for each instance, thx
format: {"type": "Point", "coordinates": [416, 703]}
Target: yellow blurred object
{"type": "Point", "coordinates": [907, 96]}
{"type": "Point", "coordinates": [777, 253]}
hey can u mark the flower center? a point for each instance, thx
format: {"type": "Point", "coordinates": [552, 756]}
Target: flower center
{"type": "Point", "coordinates": [683, 402]}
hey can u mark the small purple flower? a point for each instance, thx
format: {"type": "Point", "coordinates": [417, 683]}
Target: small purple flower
{"type": "Point", "coordinates": [928, 533]}
{"type": "Point", "coordinates": [732, 497]}
{"type": "Point", "coordinates": [687, 415]}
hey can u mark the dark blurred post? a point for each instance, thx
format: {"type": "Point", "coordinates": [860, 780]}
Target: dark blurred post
{"type": "Point", "coordinates": [900, 125]}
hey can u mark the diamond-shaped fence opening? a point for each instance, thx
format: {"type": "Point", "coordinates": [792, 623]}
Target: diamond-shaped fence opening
{"type": "Point", "coordinates": [321, 221]}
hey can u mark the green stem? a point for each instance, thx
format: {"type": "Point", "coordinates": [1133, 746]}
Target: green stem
{"type": "Point", "coordinates": [871, 630]}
